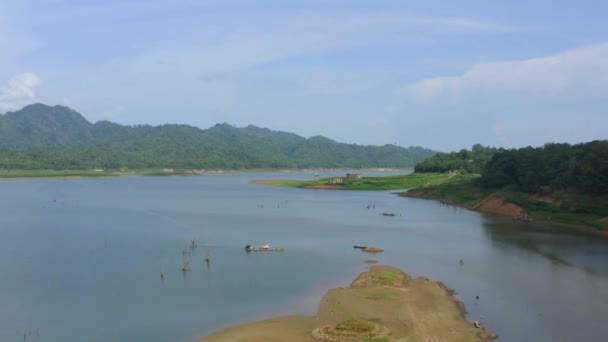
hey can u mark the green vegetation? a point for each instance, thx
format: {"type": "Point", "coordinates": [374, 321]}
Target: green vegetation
{"type": "Point", "coordinates": [463, 191]}
{"type": "Point", "coordinates": [388, 277]}
{"type": "Point", "coordinates": [378, 295]}
{"type": "Point", "coordinates": [582, 209]}
{"type": "Point", "coordinates": [580, 169]}
{"type": "Point", "coordinates": [568, 207]}
{"type": "Point", "coordinates": [354, 324]}
{"type": "Point", "coordinates": [59, 138]}
{"type": "Point", "coordinates": [397, 182]}
{"type": "Point", "coordinates": [473, 161]}
{"type": "Point", "coordinates": [290, 183]}
{"type": "Point", "coordinates": [559, 182]}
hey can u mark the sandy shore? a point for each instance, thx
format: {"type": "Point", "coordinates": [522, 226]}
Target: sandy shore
{"type": "Point", "coordinates": [384, 298]}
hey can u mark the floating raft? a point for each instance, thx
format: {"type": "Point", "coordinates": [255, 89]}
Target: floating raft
{"type": "Point", "coordinates": [369, 249]}
{"type": "Point", "coordinates": [262, 249]}
{"type": "Point", "coordinates": [271, 249]}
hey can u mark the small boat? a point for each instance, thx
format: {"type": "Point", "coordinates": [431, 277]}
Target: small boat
{"type": "Point", "coordinates": [388, 214]}
{"type": "Point", "coordinates": [265, 248]}
{"type": "Point", "coordinates": [359, 247]}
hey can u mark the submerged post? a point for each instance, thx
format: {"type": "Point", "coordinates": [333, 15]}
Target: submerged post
{"type": "Point", "coordinates": [208, 258]}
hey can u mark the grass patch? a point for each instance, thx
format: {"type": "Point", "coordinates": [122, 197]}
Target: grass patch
{"type": "Point", "coordinates": [377, 295]}
{"type": "Point", "coordinates": [412, 180]}
{"type": "Point", "coordinates": [291, 183]}
{"type": "Point", "coordinates": [461, 190]}
{"type": "Point", "coordinates": [355, 324]}
{"type": "Point", "coordinates": [388, 277]}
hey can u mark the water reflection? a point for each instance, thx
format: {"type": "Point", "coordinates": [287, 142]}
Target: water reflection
{"type": "Point", "coordinates": [557, 242]}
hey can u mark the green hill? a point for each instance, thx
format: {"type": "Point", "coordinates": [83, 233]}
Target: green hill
{"type": "Point", "coordinates": [39, 125]}
{"type": "Point", "coordinates": [44, 137]}
{"type": "Point", "coordinates": [559, 182]}
{"type": "Point", "coordinates": [473, 161]}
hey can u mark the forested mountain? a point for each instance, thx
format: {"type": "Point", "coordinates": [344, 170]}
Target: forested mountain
{"type": "Point", "coordinates": [39, 136]}
{"type": "Point", "coordinates": [39, 125]}
{"type": "Point", "coordinates": [472, 161]}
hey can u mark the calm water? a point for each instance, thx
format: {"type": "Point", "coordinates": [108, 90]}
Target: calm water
{"type": "Point", "coordinates": [80, 260]}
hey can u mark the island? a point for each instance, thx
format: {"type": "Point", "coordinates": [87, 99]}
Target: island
{"type": "Point", "coordinates": [383, 304]}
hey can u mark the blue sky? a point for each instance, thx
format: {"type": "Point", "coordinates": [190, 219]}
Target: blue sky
{"type": "Point", "coordinates": [440, 74]}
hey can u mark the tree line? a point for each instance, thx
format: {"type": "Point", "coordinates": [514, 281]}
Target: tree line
{"type": "Point", "coordinates": [472, 161]}
{"type": "Point", "coordinates": [579, 168]}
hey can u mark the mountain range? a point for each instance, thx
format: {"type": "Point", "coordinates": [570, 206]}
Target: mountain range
{"type": "Point", "coordinates": [58, 137]}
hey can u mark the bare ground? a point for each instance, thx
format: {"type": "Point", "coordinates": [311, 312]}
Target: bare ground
{"type": "Point", "coordinates": [412, 309]}
{"type": "Point", "coordinates": [498, 205]}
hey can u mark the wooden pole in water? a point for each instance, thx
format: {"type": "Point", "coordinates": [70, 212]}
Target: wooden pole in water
{"type": "Point", "coordinates": [208, 258]}
{"type": "Point", "coordinates": [186, 265]}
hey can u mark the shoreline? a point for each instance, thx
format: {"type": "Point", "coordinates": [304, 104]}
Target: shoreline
{"type": "Point", "coordinates": [383, 302]}
{"type": "Point", "coordinates": [508, 213]}
{"type": "Point", "coordinates": [82, 174]}
{"type": "Point", "coordinates": [401, 181]}
{"type": "Point", "coordinates": [92, 176]}
{"type": "Point", "coordinates": [459, 190]}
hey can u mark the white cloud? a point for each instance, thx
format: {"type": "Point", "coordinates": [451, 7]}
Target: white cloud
{"type": "Point", "coordinates": [19, 91]}
{"type": "Point", "coordinates": [205, 66]}
{"type": "Point", "coordinates": [265, 38]}
{"type": "Point", "coordinates": [558, 98]}
{"type": "Point", "coordinates": [545, 76]}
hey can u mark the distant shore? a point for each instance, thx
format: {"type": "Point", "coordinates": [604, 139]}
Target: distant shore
{"type": "Point", "coordinates": [462, 190]}
{"type": "Point", "coordinates": [395, 182]}
{"type": "Point", "coordinates": [76, 174]}
{"type": "Point", "coordinates": [382, 304]}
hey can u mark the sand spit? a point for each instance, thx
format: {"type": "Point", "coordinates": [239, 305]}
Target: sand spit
{"type": "Point", "coordinates": [382, 302]}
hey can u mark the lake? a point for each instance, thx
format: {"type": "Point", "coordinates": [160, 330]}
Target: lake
{"type": "Point", "coordinates": [80, 260]}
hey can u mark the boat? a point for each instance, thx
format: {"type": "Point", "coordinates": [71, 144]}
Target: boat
{"type": "Point", "coordinates": [265, 248]}
{"type": "Point", "coordinates": [388, 214]}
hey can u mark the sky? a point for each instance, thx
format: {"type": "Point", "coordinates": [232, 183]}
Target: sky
{"type": "Point", "coordinates": [439, 74]}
